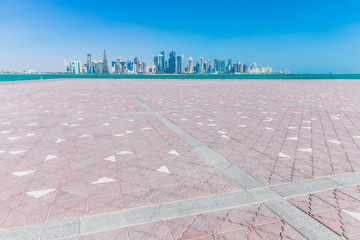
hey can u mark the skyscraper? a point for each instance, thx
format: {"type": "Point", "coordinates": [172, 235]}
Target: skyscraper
{"type": "Point", "coordinates": [67, 66]}
{"type": "Point", "coordinates": [172, 63]}
{"type": "Point", "coordinates": [136, 62]}
{"type": "Point", "coordinates": [190, 65]}
{"type": "Point", "coordinates": [229, 66]}
{"type": "Point", "coordinates": [223, 67]}
{"type": "Point", "coordinates": [161, 63]}
{"type": "Point", "coordinates": [105, 68]}
{"type": "Point", "coordinates": [216, 66]}
{"type": "Point", "coordinates": [89, 63]}
{"type": "Point", "coordinates": [240, 67]}
{"type": "Point", "coordinates": [208, 66]}
{"type": "Point", "coordinates": [201, 70]}
{"type": "Point", "coordinates": [156, 64]}
{"type": "Point", "coordinates": [75, 67]}
{"type": "Point", "coordinates": [180, 64]}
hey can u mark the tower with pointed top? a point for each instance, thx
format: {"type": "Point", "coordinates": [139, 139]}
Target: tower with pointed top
{"type": "Point", "coordinates": [105, 68]}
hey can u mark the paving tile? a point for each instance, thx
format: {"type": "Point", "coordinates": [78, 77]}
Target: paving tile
{"type": "Point", "coordinates": [73, 148]}
{"type": "Point", "coordinates": [334, 208]}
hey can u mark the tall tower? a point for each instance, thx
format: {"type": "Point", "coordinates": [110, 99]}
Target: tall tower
{"type": "Point", "coordinates": [105, 68]}
{"type": "Point", "coordinates": [156, 64]}
{"type": "Point", "coordinates": [182, 63]}
{"type": "Point", "coordinates": [190, 65]}
{"type": "Point", "coordinates": [201, 70]}
{"type": "Point", "coordinates": [89, 63]}
{"type": "Point", "coordinates": [161, 63]}
{"type": "Point", "coordinates": [172, 62]}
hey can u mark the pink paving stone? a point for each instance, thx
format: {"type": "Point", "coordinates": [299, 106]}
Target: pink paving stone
{"type": "Point", "coordinates": [332, 209]}
{"type": "Point", "coordinates": [255, 122]}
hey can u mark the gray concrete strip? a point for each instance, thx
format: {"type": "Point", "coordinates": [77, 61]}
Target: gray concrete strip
{"type": "Point", "coordinates": [131, 217]}
{"type": "Point", "coordinates": [232, 171]}
{"type": "Point", "coordinates": [264, 194]}
{"type": "Point", "coordinates": [305, 187]}
{"type": "Point", "coordinates": [165, 211]}
{"type": "Point", "coordinates": [347, 179]}
{"type": "Point", "coordinates": [46, 231]}
{"type": "Point", "coordinates": [303, 223]}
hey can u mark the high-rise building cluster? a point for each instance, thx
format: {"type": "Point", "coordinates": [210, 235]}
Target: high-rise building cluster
{"type": "Point", "coordinates": [177, 64]}
{"type": "Point", "coordinates": [162, 65]}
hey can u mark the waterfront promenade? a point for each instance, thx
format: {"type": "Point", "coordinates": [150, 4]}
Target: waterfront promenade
{"type": "Point", "coordinates": [180, 159]}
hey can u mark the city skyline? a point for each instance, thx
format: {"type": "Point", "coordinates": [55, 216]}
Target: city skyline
{"type": "Point", "coordinates": [306, 37]}
{"type": "Point", "coordinates": [163, 65]}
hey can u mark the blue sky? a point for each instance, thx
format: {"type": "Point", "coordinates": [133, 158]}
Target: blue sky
{"type": "Point", "coordinates": [301, 36]}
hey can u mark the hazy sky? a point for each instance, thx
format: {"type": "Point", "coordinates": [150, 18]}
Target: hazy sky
{"type": "Point", "coordinates": [300, 36]}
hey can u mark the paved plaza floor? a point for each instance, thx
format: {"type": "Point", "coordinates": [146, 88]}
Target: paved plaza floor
{"type": "Point", "coordinates": [180, 159]}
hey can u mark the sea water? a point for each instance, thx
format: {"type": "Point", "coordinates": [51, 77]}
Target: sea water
{"type": "Point", "coordinates": [23, 77]}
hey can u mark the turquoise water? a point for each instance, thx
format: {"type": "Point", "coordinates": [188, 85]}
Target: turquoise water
{"type": "Point", "coordinates": [21, 77]}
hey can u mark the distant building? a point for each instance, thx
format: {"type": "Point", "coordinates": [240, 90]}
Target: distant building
{"type": "Point", "coordinates": [223, 67]}
{"type": "Point", "coordinates": [240, 67]}
{"type": "Point", "coordinates": [216, 68]}
{"type": "Point", "coordinates": [153, 69]}
{"type": "Point", "coordinates": [208, 66]}
{"type": "Point", "coordinates": [254, 66]}
{"type": "Point", "coordinates": [98, 67]}
{"type": "Point", "coordinates": [89, 64]}
{"type": "Point", "coordinates": [180, 64]}
{"type": "Point", "coordinates": [268, 70]}
{"type": "Point", "coordinates": [246, 68]}
{"type": "Point", "coordinates": [161, 62]}
{"type": "Point", "coordinates": [117, 67]}
{"type": "Point", "coordinates": [67, 66]}
{"type": "Point", "coordinates": [73, 67]}
{"type": "Point", "coordinates": [190, 65]}
{"type": "Point", "coordinates": [84, 68]}
{"type": "Point", "coordinates": [105, 68]}
{"type": "Point", "coordinates": [201, 70]}
{"type": "Point", "coordinates": [254, 69]}
{"type": "Point", "coordinates": [172, 62]}
{"type": "Point", "coordinates": [129, 65]}
{"type": "Point", "coordinates": [156, 64]}
{"type": "Point", "coordinates": [229, 66]}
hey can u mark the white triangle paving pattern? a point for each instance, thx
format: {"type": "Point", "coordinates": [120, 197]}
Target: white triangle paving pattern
{"type": "Point", "coordinates": [40, 193]}
{"type": "Point", "coordinates": [355, 215]}
{"type": "Point", "coordinates": [284, 155]}
{"type": "Point", "coordinates": [85, 136]}
{"type": "Point", "coordinates": [104, 180]}
{"type": "Point", "coordinates": [110, 158]}
{"type": "Point", "coordinates": [334, 141]}
{"type": "Point", "coordinates": [305, 150]}
{"type": "Point", "coordinates": [174, 152]}
{"type": "Point", "coordinates": [163, 169]}
{"type": "Point", "coordinates": [124, 152]}
{"type": "Point", "coordinates": [50, 157]}
{"type": "Point", "coordinates": [293, 138]}
{"type": "Point", "coordinates": [23, 173]}
{"type": "Point", "coordinates": [17, 152]}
